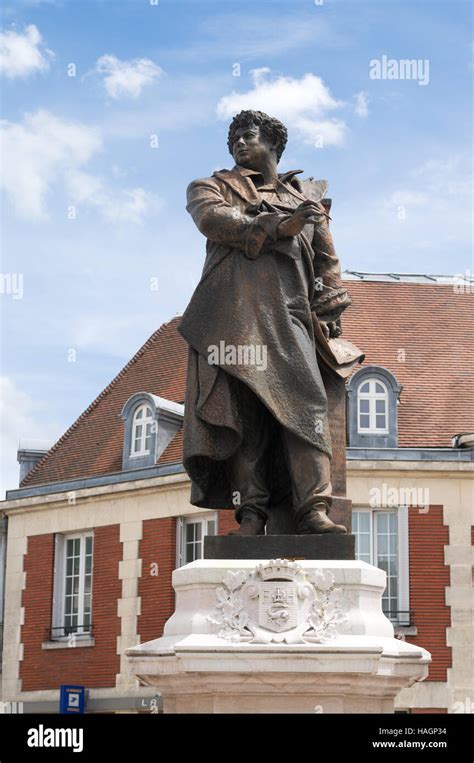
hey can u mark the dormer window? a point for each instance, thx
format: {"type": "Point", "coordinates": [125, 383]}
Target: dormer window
{"type": "Point", "coordinates": [373, 394]}
{"type": "Point", "coordinates": [142, 431]}
{"type": "Point", "coordinates": [372, 403]}
{"type": "Point", "coordinates": [150, 423]}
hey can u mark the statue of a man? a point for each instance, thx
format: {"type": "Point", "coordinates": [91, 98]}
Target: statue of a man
{"type": "Point", "coordinates": [256, 428]}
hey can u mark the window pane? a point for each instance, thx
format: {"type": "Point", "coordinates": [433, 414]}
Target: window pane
{"type": "Point", "coordinates": [363, 543]}
{"type": "Point", "coordinates": [190, 532]}
{"type": "Point", "coordinates": [382, 544]}
{"type": "Point", "coordinates": [364, 387]}
{"type": "Point", "coordinates": [387, 557]}
{"type": "Point", "coordinates": [364, 421]}
{"type": "Point", "coordinates": [364, 406]}
{"type": "Point", "coordinates": [363, 520]}
{"type": "Point", "coordinates": [139, 414]}
{"type": "Point", "coordinates": [379, 406]}
{"type": "Point", "coordinates": [77, 602]}
{"type": "Point", "coordinates": [379, 389]}
{"type": "Point", "coordinates": [382, 521]}
{"type": "Point", "coordinates": [148, 437]}
{"type": "Point", "coordinates": [380, 421]}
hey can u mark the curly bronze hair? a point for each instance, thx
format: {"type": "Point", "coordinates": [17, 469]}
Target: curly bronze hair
{"type": "Point", "coordinates": [272, 129]}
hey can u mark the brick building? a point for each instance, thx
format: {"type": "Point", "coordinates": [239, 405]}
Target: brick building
{"type": "Point", "coordinates": [99, 522]}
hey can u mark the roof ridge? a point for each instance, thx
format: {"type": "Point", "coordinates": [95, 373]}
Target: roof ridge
{"type": "Point", "coordinates": [98, 399]}
{"type": "Point", "coordinates": [399, 277]}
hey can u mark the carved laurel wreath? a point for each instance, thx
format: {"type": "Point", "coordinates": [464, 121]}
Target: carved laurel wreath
{"type": "Point", "coordinates": [322, 619]}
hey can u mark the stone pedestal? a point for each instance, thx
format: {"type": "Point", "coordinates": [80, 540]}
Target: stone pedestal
{"type": "Point", "coordinates": [252, 636]}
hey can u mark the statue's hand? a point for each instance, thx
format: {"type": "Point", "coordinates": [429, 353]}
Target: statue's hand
{"type": "Point", "coordinates": [307, 212]}
{"type": "Point", "coordinates": [332, 329]}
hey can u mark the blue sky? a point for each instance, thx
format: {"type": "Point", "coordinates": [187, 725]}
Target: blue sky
{"type": "Point", "coordinates": [96, 165]}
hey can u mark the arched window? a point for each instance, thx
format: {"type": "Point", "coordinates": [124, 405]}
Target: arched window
{"type": "Point", "coordinates": [373, 395]}
{"type": "Point", "coordinates": [150, 423]}
{"type": "Point", "coordinates": [372, 407]}
{"type": "Point", "coordinates": [141, 431]}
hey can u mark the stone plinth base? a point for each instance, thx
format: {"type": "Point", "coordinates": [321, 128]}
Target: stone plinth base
{"type": "Point", "coordinates": [278, 637]}
{"type": "Point", "coordinates": [326, 546]}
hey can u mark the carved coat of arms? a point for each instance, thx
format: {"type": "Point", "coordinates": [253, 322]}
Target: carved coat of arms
{"type": "Point", "coordinates": [278, 605]}
{"type": "Point", "coordinates": [278, 602]}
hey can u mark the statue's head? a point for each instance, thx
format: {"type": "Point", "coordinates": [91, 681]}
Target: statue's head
{"type": "Point", "coordinates": [252, 134]}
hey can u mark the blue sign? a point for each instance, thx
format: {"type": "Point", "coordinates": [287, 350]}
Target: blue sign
{"type": "Point", "coordinates": [72, 699]}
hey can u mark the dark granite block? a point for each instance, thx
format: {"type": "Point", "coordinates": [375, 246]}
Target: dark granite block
{"type": "Point", "coordinates": [327, 546]}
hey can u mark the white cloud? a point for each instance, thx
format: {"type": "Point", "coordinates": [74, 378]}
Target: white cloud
{"type": "Point", "coordinates": [37, 152]}
{"type": "Point", "coordinates": [433, 226]}
{"type": "Point", "coordinates": [23, 54]}
{"type": "Point", "coordinates": [406, 197]}
{"type": "Point", "coordinates": [126, 79]}
{"type": "Point", "coordinates": [362, 104]}
{"type": "Point", "coordinates": [304, 105]}
{"type": "Point", "coordinates": [231, 36]}
{"type": "Point", "coordinates": [446, 177]}
{"type": "Point", "coordinates": [127, 206]}
{"type": "Point", "coordinates": [44, 152]}
{"type": "Point", "coordinates": [437, 183]}
{"type": "Point", "coordinates": [17, 416]}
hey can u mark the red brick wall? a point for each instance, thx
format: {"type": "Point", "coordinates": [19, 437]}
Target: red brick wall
{"type": "Point", "coordinates": [92, 667]}
{"type": "Point", "coordinates": [226, 521]}
{"type": "Point", "coordinates": [157, 550]}
{"type": "Point", "coordinates": [429, 577]}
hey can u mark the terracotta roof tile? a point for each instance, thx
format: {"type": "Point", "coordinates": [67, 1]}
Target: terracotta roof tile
{"type": "Point", "coordinates": [424, 335]}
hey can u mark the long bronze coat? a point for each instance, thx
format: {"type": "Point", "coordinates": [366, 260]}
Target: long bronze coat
{"type": "Point", "coordinates": [255, 289]}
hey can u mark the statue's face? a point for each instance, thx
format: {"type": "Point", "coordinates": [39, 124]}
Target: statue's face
{"type": "Point", "coordinates": [250, 149]}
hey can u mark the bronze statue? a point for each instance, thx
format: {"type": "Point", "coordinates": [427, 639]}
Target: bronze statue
{"type": "Point", "coordinates": [256, 430]}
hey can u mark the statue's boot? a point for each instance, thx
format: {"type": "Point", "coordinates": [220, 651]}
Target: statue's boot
{"type": "Point", "coordinates": [316, 521]}
{"type": "Point", "coordinates": [251, 524]}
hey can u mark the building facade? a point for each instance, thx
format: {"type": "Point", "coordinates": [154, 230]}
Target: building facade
{"type": "Point", "coordinates": [92, 535]}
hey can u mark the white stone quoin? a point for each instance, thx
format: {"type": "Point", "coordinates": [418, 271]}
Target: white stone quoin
{"type": "Point", "coordinates": [278, 636]}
